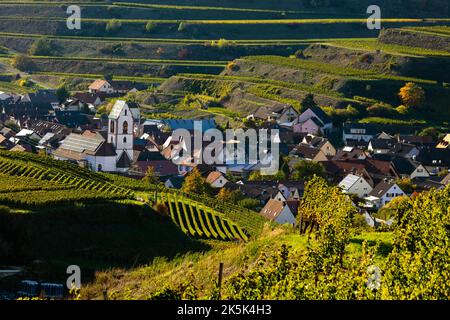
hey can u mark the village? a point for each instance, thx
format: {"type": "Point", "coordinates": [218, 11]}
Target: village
{"type": "Point", "coordinates": [371, 164]}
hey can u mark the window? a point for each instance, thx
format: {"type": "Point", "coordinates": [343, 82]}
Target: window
{"type": "Point", "coordinates": [112, 140]}
{"type": "Point", "coordinates": [99, 167]}
{"type": "Point", "coordinates": [112, 126]}
{"type": "Point", "coordinates": [124, 139]}
{"type": "Point", "coordinates": [125, 127]}
{"type": "Point", "coordinates": [126, 111]}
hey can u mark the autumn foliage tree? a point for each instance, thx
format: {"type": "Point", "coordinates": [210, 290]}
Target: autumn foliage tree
{"type": "Point", "coordinates": [195, 183]}
{"type": "Point", "coordinates": [227, 195]}
{"type": "Point", "coordinates": [412, 95]}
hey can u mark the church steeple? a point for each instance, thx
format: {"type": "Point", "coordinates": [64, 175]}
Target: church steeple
{"type": "Point", "coordinates": [120, 129]}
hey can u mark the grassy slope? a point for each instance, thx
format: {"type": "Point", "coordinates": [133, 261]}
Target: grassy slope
{"type": "Point", "coordinates": [141, 282]}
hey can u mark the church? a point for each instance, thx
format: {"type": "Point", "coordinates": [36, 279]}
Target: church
{"type": "Point", "coordinates": [110, 151]}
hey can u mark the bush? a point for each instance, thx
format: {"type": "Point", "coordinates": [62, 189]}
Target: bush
{"type": "Point", "coordinates": [402, 110]}
{"type": "Point", "coordinates": [150, 26]}
{"type": "Point", "coordinates": [23, 63]}
{"type": "Point", "coordinates": [381, 110]}
{"type": "Point", "coordinates": [41, 47]}
{"type": "Point", "coordinates": [182, 27]}
{"type": "Point", "coordinates": [113, 25]}
{"type": "Point", "coordinates": [232, 66]}
{"type": "Point", "coordinates": [249, 203]}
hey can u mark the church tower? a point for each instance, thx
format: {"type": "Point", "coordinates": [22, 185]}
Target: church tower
{"type": "Point", "coordinates": [120, 131]}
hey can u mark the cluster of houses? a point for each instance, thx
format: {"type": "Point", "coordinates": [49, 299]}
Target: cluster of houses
{"type": "Point", "coordinates": [367, 163]}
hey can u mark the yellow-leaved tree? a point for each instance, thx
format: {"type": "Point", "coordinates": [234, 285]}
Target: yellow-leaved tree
{"type": "Point", "coordinates": [412, 95]}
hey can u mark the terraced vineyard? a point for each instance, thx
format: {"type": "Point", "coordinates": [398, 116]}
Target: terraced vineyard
{"type": "Point", "coordinates": [27, 182]}
{"type": "Point", "coordinates": [197, 220]}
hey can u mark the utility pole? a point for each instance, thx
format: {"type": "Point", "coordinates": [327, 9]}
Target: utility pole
{"type": "Point", "coordinates": [219, 283]}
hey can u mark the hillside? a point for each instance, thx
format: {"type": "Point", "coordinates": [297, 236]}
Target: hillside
{"type": "Point", "coordinates": [123, 33]}
{"type": "Point", "coordinates": [68, 214]}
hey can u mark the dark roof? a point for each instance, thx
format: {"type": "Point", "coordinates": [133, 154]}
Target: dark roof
{"type": "Point", "coordinates": [106, 150]}
{"type": "Point", "coordinates": [404, 166]}
{"type": "Point", "coordinates": [305, 151]}
{"type": "Point", "coordinates": [426, 184]}
{"type": "Point", "coordinates": [147, 155]}
{"type": "Point", "coordinates": [177, 181]}
{"type": "Point", "coordinates": [321, 115]}
{"type": "Point", "coordinates": [357, 143]}
{"type": "Point", "coordinates": [416, 140]}
{"type": "Point", "coordinates": [42, 96]}
{"type": "Point", "coordinates": [373, 129]}
{"type": "Point", "coordinates": [72, 119]}
{"type": "Point", "coordinates": [383, 144]}
{"type": "Point", "coordinates": [381, 189]}
{"type": "Point", "coordinates": [124, 161]}
{"type": "Point", "coordinates": [88, 97]}
{"type": "Point", "coordinates": [354, 154]}
{"type": "Point", "coordinates": [434, 157]}
{"type": "Point", "coordinates": [42, 127]}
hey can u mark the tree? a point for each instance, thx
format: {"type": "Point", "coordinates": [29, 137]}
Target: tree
{"type": "Point", "coordinates": [307, 169]}
{"type": "Point", "coordinates": [257, 176]}
{"type": "Point", "coordinates": [113, 25]}
{"type": "Point", "coordinates": [62, 94]}
{"type": "Point", "coordinates": [226, 195]}
{"type": "Point", "coordinates": [150, 26]}
{"type": "Point", "coordinates": [250, 203]}
{"type": "Point", "coordinates": [195, 183]}
{"type": "Point", "coordinates": [150, 176]}
{"type": "Point", "coordinates": [417, 267]}
{"type": "Point", "coordinates": [406, 185]}
{"type": "Point", "coordinates": [430, 131]}
{"type": "Point", "coordinates": [402, 110]}
{"type": "Point", "coordinates": [412, 95]}
{"type": "Point", "coordinates": [308, 102]}
{"type": "Point", "coordinates": [332, 211]}
{"type": "Point", "coordinates": [23, 62]}
{"type": "Point", "coordinates": [41, 47]}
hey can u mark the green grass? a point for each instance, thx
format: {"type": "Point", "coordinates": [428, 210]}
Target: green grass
{"type": "Point", "coordinates": [316, 66]}
{"type": "Point", "coordinates": [435, 30]}
{"type": "Point", "coordinates": [380, 120]}
{"type": "Point", "coordinates": [374, 44]}
{"type": "Point", "coordinates": [205, 63]}
{"type": "Point", "coordinates": [234, 42]}
{"type": "Point", "coordinates": [96, 76]}
{"type": "Point", "coordinates": [11, 87]}
{"type": "Point", "coordinates": [208, 8]}
{"type": "Point", "coordinates": [141, 282]}
{"type": "Point", "coordinates": [234, 22]}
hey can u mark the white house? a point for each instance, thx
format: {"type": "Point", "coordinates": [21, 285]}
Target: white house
{"type": "Point", "coordinates": [353, 184]}
{"type": "Point", "coordinates": [358, 132]}
{"type": "Point", "coordinates": [383, 193]}
{"type": "Point", "coordinates": [216, 179]}
{"type": "Point", "coordinates": [102, 86]}
{"type": "Point", "coordinates": [408, 168]}
{"type": "Point", "coordinates": [282, 212]}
